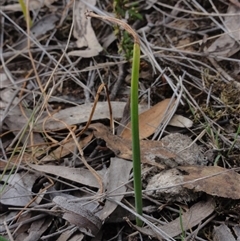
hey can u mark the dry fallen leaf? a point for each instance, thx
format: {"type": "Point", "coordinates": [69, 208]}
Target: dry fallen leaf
{"type": "Point", "coordinates": [16, 160]}
{"type": "Point", "coordinates": [33, 5]}
{"type": "Point", "coordinates": [166, 185]}
{"type": "Point", "coordinates": [150, 120]}
{"type": "Point", "coordinates": [185, 183]}
{"type": "Point", "coordinates": [68, 235]}
{"type": "Point", "coordinates": [213, 180]}
{"type": "Point", "coordinates": [8, 96]}
{"type": "Point", "coordinates": [119, 172]}
{"type": "Point", "coordinates": [78, 215]}
{"type": "Point", "coordinates": [187, 152]}
{"type": "Point", "coordinates": [81, 176]}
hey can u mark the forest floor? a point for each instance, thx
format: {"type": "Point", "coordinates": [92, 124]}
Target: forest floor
{"type": "Point", "coordinates": [65, 146]}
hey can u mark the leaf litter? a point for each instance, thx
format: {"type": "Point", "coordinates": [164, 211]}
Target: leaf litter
{"type": "Point", "coordinates": [49, 143]}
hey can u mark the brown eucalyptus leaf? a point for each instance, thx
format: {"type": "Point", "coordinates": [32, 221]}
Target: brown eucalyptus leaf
{"type": "Point", "coordinates": [16, 160]}
{"type": "Point", "coordinates": [150, 120]}
{"type": "Point", "coordinates": [213, 180]}
{"type": "Point", "coordinates": [78, 215]}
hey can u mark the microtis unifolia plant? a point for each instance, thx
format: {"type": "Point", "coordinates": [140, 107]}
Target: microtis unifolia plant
{"type": "Point", "coordinates": [134, 111]}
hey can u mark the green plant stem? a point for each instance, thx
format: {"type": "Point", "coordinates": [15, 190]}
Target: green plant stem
{"type": "Point", "coordinates": [134, 111]}
{"type": "Point", "coordinates": [135, 132]}
{"type": "Point", "coordinates": [181, 225]}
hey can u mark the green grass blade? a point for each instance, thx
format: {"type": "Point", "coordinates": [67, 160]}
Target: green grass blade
{"type": "Point", "coordinates": [25, 14]}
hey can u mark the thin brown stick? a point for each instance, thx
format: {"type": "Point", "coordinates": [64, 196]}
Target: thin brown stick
{"type": "Point", "coordinates": [100, 88]}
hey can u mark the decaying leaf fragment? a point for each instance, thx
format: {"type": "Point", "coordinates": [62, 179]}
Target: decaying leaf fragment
{"type": "Point", "coordinates": [78, 215]}
{"type": "Point", "coordinates": [38, 29]}
{"type": "Point", "coordinates": [33, 5]}
{"type": "Point", "coordinates": [37, 228]}
{"type": "Point", "coordinates": [167, 183]}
